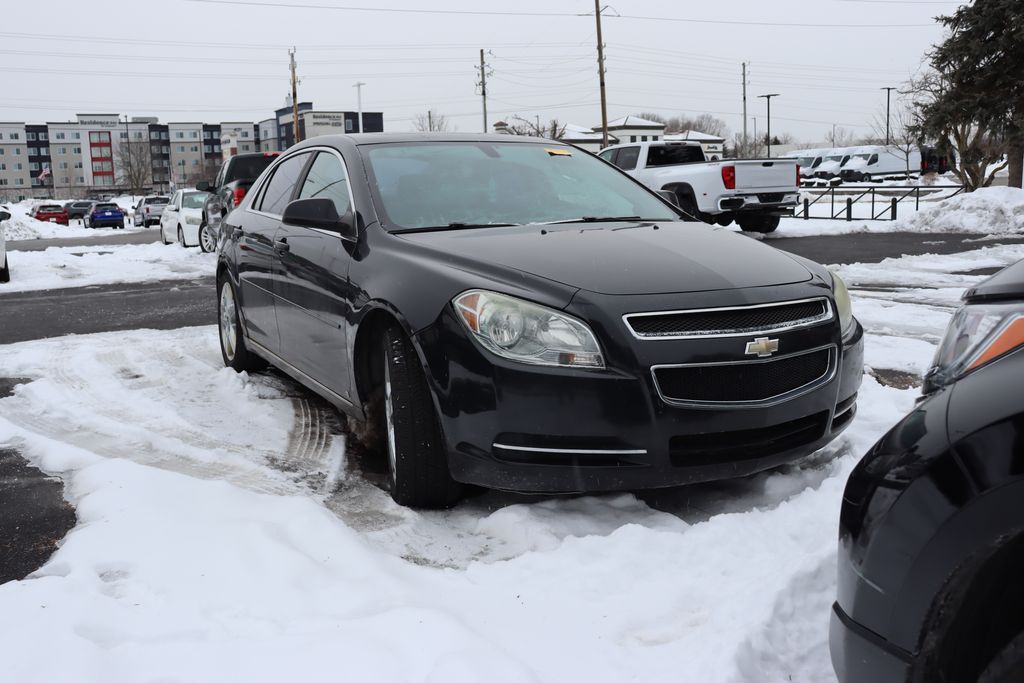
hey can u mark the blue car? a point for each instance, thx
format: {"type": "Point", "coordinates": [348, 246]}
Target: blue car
{"type": "Point", "coordinates": [105, 216]}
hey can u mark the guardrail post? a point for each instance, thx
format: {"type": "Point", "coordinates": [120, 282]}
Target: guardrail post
{"type": "Point", "coordinates": [893, 210]}
{"type": "Point", "coordinates": [849, 209]}
{"type": "Point", "coordinates": [917, 204]}
{"type": "Point", "coordinates": [807, 209]}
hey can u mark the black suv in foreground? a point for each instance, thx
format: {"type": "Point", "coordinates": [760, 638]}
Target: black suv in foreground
{"type": "Point", "coordinates": [932, 525]}
{"type": "Point", "coordinates": [514, 313]}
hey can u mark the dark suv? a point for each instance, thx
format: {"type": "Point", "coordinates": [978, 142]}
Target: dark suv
{"type": "Point", "coordinates": [514, 313]}
{"type": "Point", "coordinates": [931, 548]}
{"type": "Point", "coordinates": [234, 179]}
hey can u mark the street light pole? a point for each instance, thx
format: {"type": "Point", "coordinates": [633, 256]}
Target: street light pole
{"type": "Point", "coordinates": [128, 155]}
{"type": "Point", "coordinates": [359, 105]}
{"type": "Point", "coordinates": [888, 95]}
{"type": "Point", "coordinates": [768, 99]}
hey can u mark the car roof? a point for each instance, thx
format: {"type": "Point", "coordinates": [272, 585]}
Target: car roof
{"type": "Point", "coordinates": [361, 139]}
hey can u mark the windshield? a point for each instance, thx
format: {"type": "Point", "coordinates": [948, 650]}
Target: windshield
{"type": "Point", "coordinates": [50, 207]}
{"type": "Point", "coordinates": [421, 185]}
{"type": "Point", "coordinates": [194, 200]}
{"type": "Point", "coordinates": [837, 158]}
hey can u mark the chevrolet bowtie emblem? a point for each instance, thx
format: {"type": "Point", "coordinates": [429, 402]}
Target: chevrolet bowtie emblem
{"type": "Point", "coordinates": [762, 347]}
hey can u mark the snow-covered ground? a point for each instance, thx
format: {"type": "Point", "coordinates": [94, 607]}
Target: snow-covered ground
{"type": "Point", "coordinates": [225, 533]}
{"type": "Point", "coordinates": [61, 267]}
{"type": "Point", "coordinates": [21, 226]}
{"type": "Point", "coordinates": [993, 210]}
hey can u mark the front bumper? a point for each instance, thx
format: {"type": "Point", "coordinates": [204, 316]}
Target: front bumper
{"type": "Point", "coordinates": [861, 655]}
{"type": "Point", "coordinates": [537, 429]}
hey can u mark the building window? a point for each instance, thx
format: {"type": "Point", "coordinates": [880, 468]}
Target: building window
{"type": "Point", "coordinates": [63, 150]}
{"type": "Point", "coordinates": [59, 136]}
{"type": "Point", "coordinates": [15, 136]}
{"type": "Point", "coordinates": [3, 167]}
{"type": "Point", "coordinates": [3, 181]}
{"type": "Point", "coordinates": [44, 136]}
{"type": "Point", "coordinates": [154, 135]}
{"type": "Point", "coordinates": [78, 164]}
{"type": "Point", "coordinates": [33, 166]}
{"type": "Point", "coordinates": [181, 148]}
{"type": "Point", "coordinates": [76, 136]}
{"type": "Point", "coordinates": [44, 151]}
{"type": "Point", "coordinates": [19, 181]}
{"type": "Point", "coordinates": [81, 179]}
{"type": "Point", "coordinates": [17, 167]}
{"type": "Point", "coordinates": [208, 149]}
{"type": "Point", "coordinates": [124, 135]}
{"type": "Point", "coordinates": [1, 151]}
{"type": "Point", "coordinates": [164, 135]}
{"type": "Point", "coordinates": [245, 133]}
{"type": "Point", "coordinates": [179, 135]}
{"type": "Point", "coordinates": [65, 180]}
{"type": "Point", "coordinates": [194, 148]}
{"type": "Point", "coordinates": [78, 150]}
{"type": "Point", "coordinates": [30, 136]}
{"type": "Point", "coordinates": [632, 138]}
{"type": "Point", "coordinates": [17, 151]}
{"type": "Point", "coordinates": [654, 137]}
{"type": "Point", "coordinates": [193, 134]}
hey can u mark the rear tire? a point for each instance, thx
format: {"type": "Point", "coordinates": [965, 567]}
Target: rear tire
{"type": "Point", "coordinates": [688, 206]}
{"type": "Point", "coordinates": [207, 243]}
{"type": "Point", "coordinates": [417, 456]}
{"type": "Point", "coordinates": [762, 224]}
{"type": "Point", "coordinates": [232, 340]}
{"type": "Point", "coordinates": [1008, 665]}
{"type": "Point", "coordinates": [5, 272]}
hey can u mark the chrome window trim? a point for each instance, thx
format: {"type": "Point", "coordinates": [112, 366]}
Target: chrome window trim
{"type": "Point", "coordinates": [829, 374]}
{"type": "Point", "coordinates": [263, 183]}
{"type": "Point", "coordinates": [828, 315]}
{"type": "Point", "coordinates": [589, 451]}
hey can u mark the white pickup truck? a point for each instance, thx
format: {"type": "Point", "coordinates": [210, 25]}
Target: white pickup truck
{"type": "Point", "coordinates": [752, 192]}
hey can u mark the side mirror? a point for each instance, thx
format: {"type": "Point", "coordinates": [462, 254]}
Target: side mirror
{"type": "Point", "coordinates": [669, 197]}
{"type": "Point", "coordinates": [320, 213]}
{"type": "Point", "coordinates": [203, 186]}
{"type": "Point", "coordinates": [134, 207]}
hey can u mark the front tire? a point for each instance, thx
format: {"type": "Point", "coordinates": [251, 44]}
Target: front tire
{"type": "Point", "coordinates": [762, 224]}
{"type": "Point", "coordinates": [417, 457]}
{"type": "Point", "coordinates": [181, 236]}
{"type": "Point", "coordinates": [232, 341]}
{"type": "Point", "coordinates": [5, 272]}
{"type": "Point", "coordinates": [163, 238]}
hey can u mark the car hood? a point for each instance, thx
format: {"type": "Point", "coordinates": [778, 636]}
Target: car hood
{"type": "Point", "coordinates": [625, 258]}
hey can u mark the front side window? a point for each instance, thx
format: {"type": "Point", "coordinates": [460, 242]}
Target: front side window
{"type": "Point", "coordinates": [281, 186]}
{"type": "Point", "coordinates": [422, 185]}
{"type": "Point", "coordinates": [608, 155]}
{"type": "Point", "coordinates": [327, 178]}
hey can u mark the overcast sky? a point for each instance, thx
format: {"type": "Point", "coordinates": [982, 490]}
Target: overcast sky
{"type": "Point", "coordinates": [184, 60]}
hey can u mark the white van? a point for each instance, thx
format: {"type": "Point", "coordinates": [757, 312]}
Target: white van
{"type": "Point", "coordinates": [873, 162]}
{"type": "Point", "coordinates": [834, 160]}
{"type": "Point", "coordinates": [809, 160]}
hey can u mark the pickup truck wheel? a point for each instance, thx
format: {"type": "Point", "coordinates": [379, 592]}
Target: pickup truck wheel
{"type": "Point", "coordinates": [688, 206]}
{"type": "Point", "coordinates": [417, 460]}
{"type": "Point", "coordinates": [762, 224]}
{"type": "Point", "coordinates": [5, 272]}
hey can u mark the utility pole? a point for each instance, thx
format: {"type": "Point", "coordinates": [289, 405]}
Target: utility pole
{"type": "Point", "coordinates": [483, 85]}
{"type": "Point", "coordinates": [768, 99]}
{"type": "Point", "coordinates": [888, 95]}
{"type": "Point", "coordinates": [430, 121]}
{"type": "Point", "coordinates": [359, 105]}
{"type": "Point", "coordinates": [295, 99]}
{"type": "Point", "coordinates": [128, 155]}
{"type": "Point", "coordinates": [600, 74]}
{"type": "Point", "coordinates": [746, 149]}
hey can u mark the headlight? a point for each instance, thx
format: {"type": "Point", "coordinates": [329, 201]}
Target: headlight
{"type": "Point", "coordinates": [977, 335]}
{"type": "Point", "coordinates": [526, 332]}
{"type": "Point", "coordinates": [193, 220]}
{"type": "Point", "coordinates": [844, 309]}
{"type": "Point", "coordinates": [214, 213]}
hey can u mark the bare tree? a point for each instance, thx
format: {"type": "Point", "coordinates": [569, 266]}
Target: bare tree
{"type": "Point", "coordinates": [652, 116]}
{"type": "Point", "coordinates": [517, 125]}
{"type": "Point", "coordinates": [753, 148]}
{"type": "Point", "coordinates": [134, 165]}
{"type": "Point", "coordinates": [904, 139]}
{"type": "Point", "coordinates": [703, 123]}
{"type": "Point", "coordinates": [839, 137]}
{"type": "Point", "coordinates": [431, 123]}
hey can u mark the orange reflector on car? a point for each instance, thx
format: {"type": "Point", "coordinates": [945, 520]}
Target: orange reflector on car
{"type": "Point", "coordinates": [1010, 338]}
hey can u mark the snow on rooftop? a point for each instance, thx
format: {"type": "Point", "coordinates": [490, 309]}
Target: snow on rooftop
{"type": "Point", "coordinates": [632, 121]}
{"type": "Point", "coordinates": [694, 135]}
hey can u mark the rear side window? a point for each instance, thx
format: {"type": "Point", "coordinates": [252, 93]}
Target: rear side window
{"type": "Point", "coordinates": [281, 187]}
{"type": "Point", "coordinates": [627, 157]}
{"type": "Point", "coordinates": [327, 178]}
{"type": "Point", "coordinates": [673, 155]}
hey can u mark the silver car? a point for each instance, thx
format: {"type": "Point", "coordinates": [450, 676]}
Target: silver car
{"type": "Point", "coordinates": [148, 211]}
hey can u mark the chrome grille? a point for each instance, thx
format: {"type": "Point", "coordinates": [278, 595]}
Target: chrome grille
{"type": "Point", "coordinates": [729, 322]}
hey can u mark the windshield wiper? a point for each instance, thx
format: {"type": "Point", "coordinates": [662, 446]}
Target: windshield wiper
{"type": "Point", "coordinates": [598, 219]}
{"type": "Point", "coordinates": [455, 225]}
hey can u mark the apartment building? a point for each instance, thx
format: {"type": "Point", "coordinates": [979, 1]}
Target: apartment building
{"type": "Point", "coordinates": [15, 177]}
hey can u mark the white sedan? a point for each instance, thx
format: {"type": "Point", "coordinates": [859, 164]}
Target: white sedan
{"type": "Point", "coordinates": [5, 270]}
{"type": "Point", "coordinates": [182, 221]}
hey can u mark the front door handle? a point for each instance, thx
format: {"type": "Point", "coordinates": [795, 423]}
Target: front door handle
{"type": "Point", "coordinates": [281, 245]}
{"type": "Point", "coordinates": [236, 233]}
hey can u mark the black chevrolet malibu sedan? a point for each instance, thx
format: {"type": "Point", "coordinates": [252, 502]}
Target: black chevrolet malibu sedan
{"type": "Point", "coordinates": [931, 553]}
{"type": "Point", "coordinates": [515, 313]}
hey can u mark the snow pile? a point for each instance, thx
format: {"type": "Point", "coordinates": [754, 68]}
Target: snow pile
{"type": "Point", "coordinates": [988, 211]}
{"type": "Point", "coordinates": [61, 267]}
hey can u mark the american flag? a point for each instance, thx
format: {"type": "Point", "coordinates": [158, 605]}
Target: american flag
{"type": "Point", "coordinates": [45, 173]}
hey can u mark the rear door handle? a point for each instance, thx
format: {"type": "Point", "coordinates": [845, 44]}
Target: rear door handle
{"type": "Point", "coordinates": [281, 245]}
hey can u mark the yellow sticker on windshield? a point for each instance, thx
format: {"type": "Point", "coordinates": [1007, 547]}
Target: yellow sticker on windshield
{"type": "Point", "coordinates": [555, 152]}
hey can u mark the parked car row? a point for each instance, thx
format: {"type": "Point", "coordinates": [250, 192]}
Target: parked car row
{"type": "Point", "coordinates": [182, 221]}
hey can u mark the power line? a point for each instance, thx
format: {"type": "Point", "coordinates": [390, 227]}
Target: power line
{"type": "Point", "coordinates": [506, 13]}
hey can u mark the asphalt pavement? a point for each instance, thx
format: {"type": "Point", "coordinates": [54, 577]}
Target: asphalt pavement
{"type": "Point", "coordinates": [135, 237]}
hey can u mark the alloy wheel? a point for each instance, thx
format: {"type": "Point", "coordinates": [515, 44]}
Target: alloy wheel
{"type": "Point", "coordinates": [228, 329]}
{"type": "Point", "coordinates": [389, 423]}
